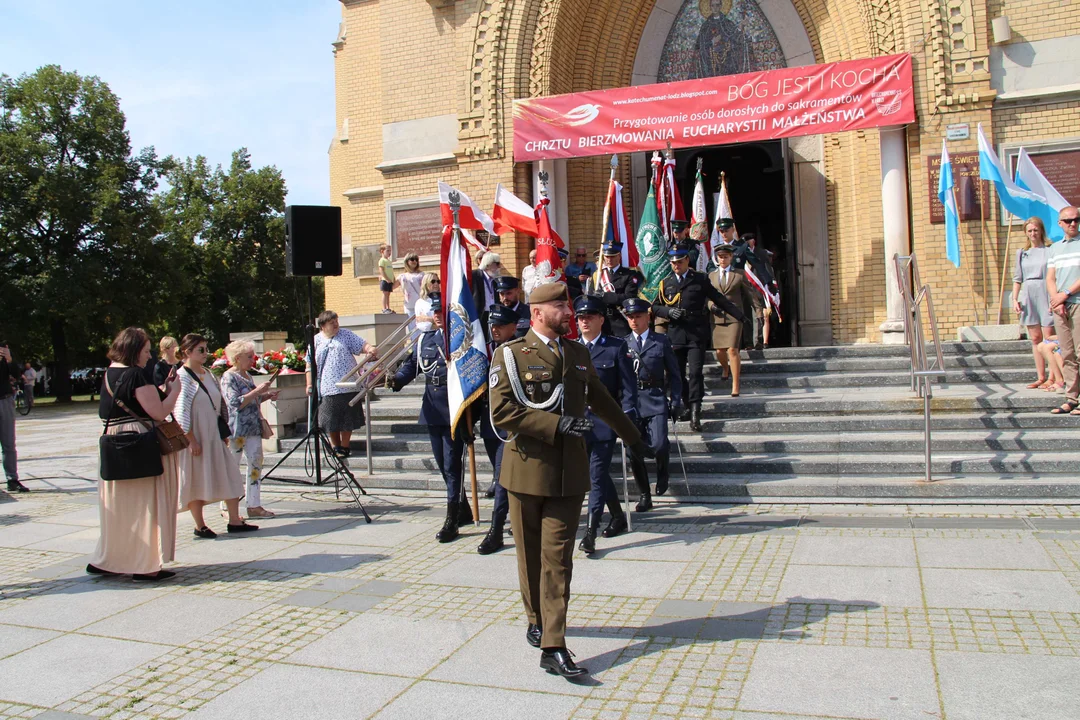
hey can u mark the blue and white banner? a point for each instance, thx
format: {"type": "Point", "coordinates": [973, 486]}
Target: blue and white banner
{"type": "Point", "coordinates": [1018, 201]}
{"type": "Point", "coordinates": [467, 360]}
{"type": "Point", "coordinates": [948, 199]}
{"type": "Point", "coordinates": [1030, 178]}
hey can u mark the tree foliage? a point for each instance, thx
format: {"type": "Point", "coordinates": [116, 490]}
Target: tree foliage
{"type": "Point", "coordinates": [89, 245]}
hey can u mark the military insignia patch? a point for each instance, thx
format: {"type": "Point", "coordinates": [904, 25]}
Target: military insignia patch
{"type": "Point", "coordinates": [582, 368]}
{"type": "Point", "coordinates": [493, 380]}
{"type": "Point", "coordinates": [528, 376]}
{"type": "Point", "coordinates": [536, 367]}
{"type": "Point", "coordinates": [546, 387]}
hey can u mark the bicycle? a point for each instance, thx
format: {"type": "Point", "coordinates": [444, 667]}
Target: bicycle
{"type": "Point", "coordinates": [21, 403]}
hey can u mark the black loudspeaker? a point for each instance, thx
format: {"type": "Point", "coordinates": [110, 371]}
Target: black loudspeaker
{"type": "Point", "coordinates": [312, 240]}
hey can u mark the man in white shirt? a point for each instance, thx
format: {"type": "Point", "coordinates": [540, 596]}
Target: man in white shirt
{"type": "Point", "coordinates": [29, 377]}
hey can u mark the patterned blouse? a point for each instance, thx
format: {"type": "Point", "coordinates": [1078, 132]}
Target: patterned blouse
{"type": "Point", "coordinates": [335, 358]}
{"type": "Point", "coordinates": [243, 421]}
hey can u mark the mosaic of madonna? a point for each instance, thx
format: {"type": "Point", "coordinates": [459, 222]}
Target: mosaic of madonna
{"type": "Point", "coordinates": [719, 37]}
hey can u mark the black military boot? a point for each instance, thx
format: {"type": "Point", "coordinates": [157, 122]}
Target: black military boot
{"type": "Point", "coordinates": [449, 530]}
{"type": "Point", "coordinates": [493, 541]}
{"type": "Point", "coordinates": [695, 416]}
{"type": "Point", "coordinates": [644, 503]}
{"type": "Point", "coordinates": [588, 543]}
{"type": "Point", "coordinates": [617, 525]}
{"type": "Point", "coordinates": [663, 472]}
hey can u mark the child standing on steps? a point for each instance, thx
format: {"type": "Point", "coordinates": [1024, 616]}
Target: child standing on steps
{"type": "Point", "coordinates": [386, 277]}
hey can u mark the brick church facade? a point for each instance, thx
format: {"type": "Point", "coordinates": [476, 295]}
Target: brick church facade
{"type": "Point", "coordinates": [425, 90]}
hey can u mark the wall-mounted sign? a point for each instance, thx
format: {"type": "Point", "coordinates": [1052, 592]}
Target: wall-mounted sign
{"type": "Point", "coordinates": [968, 188]}
{"type": "Point", "coordinates": [958, 131]}
{"type": "Point", "coordinates": [415, 227]}
{"type": "Point", "coordinates": [1061, 168]}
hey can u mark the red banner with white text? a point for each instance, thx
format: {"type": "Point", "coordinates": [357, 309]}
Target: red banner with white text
{"type": "Point", "coordinates": [835, 97]}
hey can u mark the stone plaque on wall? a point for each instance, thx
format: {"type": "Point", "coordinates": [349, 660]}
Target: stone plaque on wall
{"type": "Point", "coordinates": [968, 188]}
{"type": "Point", "coordinates": [418, 230]}
{"type": "Point", "coordinates": [1062, 170]}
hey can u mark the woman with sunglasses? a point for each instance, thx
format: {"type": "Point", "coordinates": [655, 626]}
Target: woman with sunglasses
{"type": "Point", "coordinates": [431, 284]}
{"type": "Point", "coordinates": [208, 472]}
{"type": "Point", "coordinates": [1031, 303]}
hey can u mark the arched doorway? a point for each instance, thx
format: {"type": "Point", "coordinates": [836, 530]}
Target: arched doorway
{"type": "Point", "coordinates": [779, 186]}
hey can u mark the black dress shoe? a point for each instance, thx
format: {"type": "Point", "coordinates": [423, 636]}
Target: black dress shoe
{"type": "Point", "coordinates": [661, 485]}
{"type": "Point", "coordinates": [560, 661]}
{"type": "Point", "coordinates": [95, 570]}
{"type": "Point", "coordinates": [242, 528]}
{"type": "Point", "coordinates": [16, 486]}
{"type": "Point", "coordinates": [154, 577]}
{"type": "Point", "coordinates": [533, 635]}
{"type": "Point", "coordinates": [616, 527]}
{"type": "Point", "coordinates": [588, 543]}
{"type": "Point", "coordinates": [205, 532]}
{"type": "Point", "coordinates": [644, 503]}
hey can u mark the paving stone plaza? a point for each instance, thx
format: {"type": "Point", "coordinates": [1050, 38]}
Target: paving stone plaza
{"type": "Point", "coordinates": [751, 612]}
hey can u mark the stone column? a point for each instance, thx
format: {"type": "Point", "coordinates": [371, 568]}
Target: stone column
{"type": "Point", "coordinates": [895, 211]}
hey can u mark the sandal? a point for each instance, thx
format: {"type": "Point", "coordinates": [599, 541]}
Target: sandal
{"type": "Point", "coordinates": [1037, 383]}
{"type": "Point", "coordinates": [260, 512]}
{"type": "Point", "coordinates": [1066, 408]}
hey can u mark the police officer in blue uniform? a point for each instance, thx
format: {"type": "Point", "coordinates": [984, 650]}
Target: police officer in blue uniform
{"type": "Point", "coordinates": [657, 371]}
{"type": "Point", "coordinates": [683, 300]}
{"type": "Point", "coordinates": [503, 324]}
{"type": "Point", "coordinates": [510, 295]}
{"type": "Point", "coordinates": [613, 364]}
{"type": "Point", "coordinates": [429, 358]}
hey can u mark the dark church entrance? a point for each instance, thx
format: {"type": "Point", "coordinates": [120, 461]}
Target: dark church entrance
{"type": "Point", "coordinates": [758, 191]}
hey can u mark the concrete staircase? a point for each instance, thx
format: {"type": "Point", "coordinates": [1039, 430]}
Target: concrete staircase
{"type": "Point", "coordinates": [828, 422]}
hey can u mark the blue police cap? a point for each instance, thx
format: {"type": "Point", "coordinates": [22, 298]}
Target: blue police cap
{"type": "Point", "coordinates": [436, 300]}
{"type": "Point", "coordinates": [612, 247]}
{"type": "Point", "coordinates": [678, 250]}
{"type": "Point", "coordinates": [499, 314]}
{"type": "Point", "coordinates": [635, 305]}
{"type": "Point", "coordinates": [563, 253]}
{"type": "Point", "coordinates": [587, 304]}
{"type": "Point", "coordinates": [505, 282]}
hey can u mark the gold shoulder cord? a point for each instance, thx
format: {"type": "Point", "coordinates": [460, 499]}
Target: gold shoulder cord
{"type": "Point", "coordinates": [663, 299]}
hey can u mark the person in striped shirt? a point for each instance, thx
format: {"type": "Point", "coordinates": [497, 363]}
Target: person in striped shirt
{"type": "Point", "coordinates": [1063, 284]}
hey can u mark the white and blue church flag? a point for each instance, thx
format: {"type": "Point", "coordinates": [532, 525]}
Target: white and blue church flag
{"type": "Point", "coordinates": [948, 199]}
{"type": "Point", "coordinates": [467, 360]}
{"type": "Point", "coordinates": [1018, 201]}
{"type": "Point", "coordinates": [1030, 178]}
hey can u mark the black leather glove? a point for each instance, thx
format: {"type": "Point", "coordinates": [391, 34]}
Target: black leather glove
{"type": "Point", "coordinates": [642, 450]}
{"type": "Point", "coordinates": [676, 313]}
{"type": "Point", "coordinates": [574, 426]}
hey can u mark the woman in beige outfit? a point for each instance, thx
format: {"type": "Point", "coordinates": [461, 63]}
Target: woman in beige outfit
{"type": "Point", "coordinates": [208, 473]}
{"type": "Point", "coordinates": [138, 517]}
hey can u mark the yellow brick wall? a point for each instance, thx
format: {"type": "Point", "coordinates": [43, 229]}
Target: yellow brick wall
{"type": "Point", "coordinates": [558, 46]}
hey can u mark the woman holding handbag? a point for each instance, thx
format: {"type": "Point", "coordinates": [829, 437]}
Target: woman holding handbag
{"type": "Point", "coordinates": [248, 428]}
{"type": "Point", "coordinates": [138, 515]}
{"type": "Point", "coordinates": [208, 472]}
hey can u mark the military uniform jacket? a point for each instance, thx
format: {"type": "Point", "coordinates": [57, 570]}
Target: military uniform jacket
{"type": "Point", "coordinates": [757, 259]}
{"type": "Point", "coordinates": [522, 309]}
{"type": "Point", "coordinates": [735, 288]}
{"type": "Point", "coordinates": [657, 373]}
{"type": "Point", "coordinates": [427, 359]}
{"type": "Point", "coordinates": [615, 367]}
{"type": "Point", "coordinates": [539, 461]}
{"type": "Point", "coordinates": [627, 284]}
{"type": "Point", "coordinates": [486, 429]}
{"type": "Point", "coordinates": [692, 295]}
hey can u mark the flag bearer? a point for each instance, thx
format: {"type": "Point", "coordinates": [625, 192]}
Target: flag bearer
{"type": "Point", "coordinates": [613, 283]}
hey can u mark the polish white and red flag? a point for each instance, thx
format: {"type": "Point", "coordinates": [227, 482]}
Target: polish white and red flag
{"type": "Point", "coordinates": [470, 217]}
{"type": "Point", "coordinates": [511, 213]}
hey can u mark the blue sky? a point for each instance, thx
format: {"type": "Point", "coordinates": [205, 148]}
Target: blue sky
{"type": "Point", "coordinates": [197, 77]}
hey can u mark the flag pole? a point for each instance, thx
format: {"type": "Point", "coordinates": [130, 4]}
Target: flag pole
{"type": "Point", "coordinates": [607, 201]}
{"type": "Point", "coordinates": [959, 235]}
{"type": "Point", "coordinates": [1004, 268]}
{"type": "Point", "coordinates": [455, 208]}
{"type": "Point", "coordinates": [985, 263]}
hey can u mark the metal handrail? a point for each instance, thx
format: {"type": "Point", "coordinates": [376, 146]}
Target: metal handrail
{"type": "Point", "coordinates": [922, 367]}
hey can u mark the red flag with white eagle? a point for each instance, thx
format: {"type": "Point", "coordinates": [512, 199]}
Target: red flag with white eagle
{"type": "Point", "coordinates": [548, 263]}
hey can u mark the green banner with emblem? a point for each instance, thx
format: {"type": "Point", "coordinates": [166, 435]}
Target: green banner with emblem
{"type": "Point", "coordinates": [653, 249]}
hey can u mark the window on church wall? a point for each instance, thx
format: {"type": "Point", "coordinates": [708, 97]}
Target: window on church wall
{"type": "Point", "coordinates": [719, 37]}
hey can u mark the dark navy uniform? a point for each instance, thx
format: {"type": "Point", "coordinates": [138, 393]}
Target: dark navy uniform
{"type": "Point", "coordinates": [657, 370]}
{"type": "Point", "coordinates": [614, 286]}
{"type": "Point", "coordinates": [507, 282]}
{"type": "Point", "coordinates": [494, 445]}
{"type": "Point", "coordinates": [428, 358]}
{"type": "Point", "coordinates": [683, 302]}
{"type": "Point", "coordinates": [615, 367]}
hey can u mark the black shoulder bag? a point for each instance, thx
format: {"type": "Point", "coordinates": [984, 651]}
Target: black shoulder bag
{"type": "Point", "coordinates": [128, 455]}
{"type": "Point", "coordinates": [222, 423]}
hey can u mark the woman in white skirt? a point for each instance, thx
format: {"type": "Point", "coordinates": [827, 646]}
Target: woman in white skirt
{"type": "Point", "coordinates": [243, 398]}
{"type": "Point", "coordinates": [138, 516]}
{"type": "Point", "coordinates": [208, 472]}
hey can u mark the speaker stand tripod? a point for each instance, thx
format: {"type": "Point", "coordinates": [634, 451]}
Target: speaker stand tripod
{"type": "Point", "coordinates": [316, 442]}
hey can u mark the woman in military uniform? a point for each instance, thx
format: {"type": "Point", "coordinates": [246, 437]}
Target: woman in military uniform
{"type": "Point", "coordinates": [727, 331]}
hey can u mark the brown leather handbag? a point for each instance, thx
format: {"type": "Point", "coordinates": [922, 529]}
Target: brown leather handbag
{"type": "Point", "coordinates": [170, 435]}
